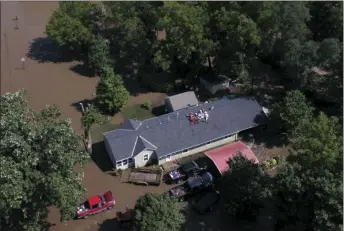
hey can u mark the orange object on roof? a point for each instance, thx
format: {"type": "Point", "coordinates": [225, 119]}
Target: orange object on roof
{"type": "Point", "coordinates": [221, 155]}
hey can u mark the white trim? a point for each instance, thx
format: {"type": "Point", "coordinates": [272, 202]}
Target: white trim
{"type": "Point", "coordinates": [118, 129]}
{"type": "Point", "coordinates": [148, 142]}
{"type": "Point", "coordinates": [138, 126]}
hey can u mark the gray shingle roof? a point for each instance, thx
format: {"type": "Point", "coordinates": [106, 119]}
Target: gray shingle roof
{"type": "Point", "coordinates": [182, 100]}
{"type": "Point", "coordinates": [173, 132]}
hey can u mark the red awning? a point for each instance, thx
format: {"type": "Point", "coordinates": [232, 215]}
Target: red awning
{"type": "Point", "coordinates": [221, 155]}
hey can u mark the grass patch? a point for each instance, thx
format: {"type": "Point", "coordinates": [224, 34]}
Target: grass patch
{"type": "Point", "coordinates": [98, 130]}
{"type": "Point", "coordinates": [136, 112]}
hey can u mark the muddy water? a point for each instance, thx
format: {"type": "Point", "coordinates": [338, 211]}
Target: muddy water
{"type": "Point", "coordinates": [55, 83]}
{"type": "Point", "coordinates": [47, 83]}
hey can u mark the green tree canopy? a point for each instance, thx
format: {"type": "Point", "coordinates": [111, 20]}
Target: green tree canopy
{"type": "Point", "coordinates": [69, 24]}
{"type": "Point", "coordinates": [327, 20]}
{"type": "Point", "coordinates": [293, 111]}
{"type": "Point", "coordinates": [329, 52]}
{"type": "Point", "coordinates": [280, 22]}
{"type": "Point", "coordinates": [308, 199]}
{"type": "Point", "coordinates": [157, 212]}
{"type": "Point", "coordinates": [186, 38]}
{"type": "Point", "coordinates": [99, 53]}
{"type": "Point", "coordinates": [91, 117]}
{"type": "Point", "coordinates": [251, 186]}
{"type": "Point", "coordinates": [237, 41]}
{"type": "Point", "coordinates": [318, 141]}
{"type": "Point", "coordinates": [38, 156]}
{"type": "Point", "coordinates": [111, 93]}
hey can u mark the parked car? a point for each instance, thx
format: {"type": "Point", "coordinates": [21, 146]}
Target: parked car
{"type": "Point", "coordinates": [183, 172]}
{"type": "Point", "coordinates": [95, 204]}
{"type": "Point", "coordinates": [193, 185]}
{"type": "Point", "coordinates": [204, 202]}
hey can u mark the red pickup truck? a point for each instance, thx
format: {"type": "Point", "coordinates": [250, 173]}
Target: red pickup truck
{"type": "Point", "coordinates": [95, 205]}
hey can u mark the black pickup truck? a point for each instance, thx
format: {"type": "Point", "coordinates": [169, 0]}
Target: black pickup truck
{"type": "Point", "coordinates": [193, 185]}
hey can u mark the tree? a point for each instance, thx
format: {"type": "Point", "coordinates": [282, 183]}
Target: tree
{"type": "Point", "coordinates": [293, 111]}
{"type": "Point", "coordinates": [238, 39]}
{"type": "Point", "coordinates": [186, 39]}
{"type": "Point", "coordinates": [133, 29]}
{"type": "Point", "coordinates": [308, 199]}
{"type": "Point", "coordinates": [99, 53]}
{"type": "Point", "coordinates": [111, 93]}
{"type": "Point", "coordinates": [298, 61]}
{"type": "Point", "coordinates": [69, 25]}
{"type": "Point", "coordinates": [318, 142]}
{"type": "Point", "coordinates": [157, 212]}
{"type": "Point", "coordinates": [280, 22]}
{"type": "Point", "coordinates": [329, 52]}
{"type": "Point", "coordinates": [251, 188]}
{"type": "Point", "coordinates": [92, 116]}
{"type": "Point", "coordinates": [38, 156]}
{"type": "Point", "coordinates": [327, 20]}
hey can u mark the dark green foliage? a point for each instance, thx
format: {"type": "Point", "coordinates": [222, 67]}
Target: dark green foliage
{"type": "Point", "coordinates": [244, 188]}
{"type": "Point", "coordinates": [293, 111]}
{"type": "Point", "coordinates": [92, 116]}
{"type": "Point", "coordinates": [308, 199]}
{"type": "Point", "coordinates": [157, 212]}
{"type": "Point", "coordinates": [318, 142]}
{"type": "Point", "coordinates": [99, 53]}
{"type": "Point", "coordinates": [69, 25]}
{"type": "Point", "coordinates": [327, 19]}
{"type": "Point", "coordinates": [329, 52]}
{"type": "Point", "coordinates": [38, 155]}
{"type": "Point", "coordinates": [111, 93]}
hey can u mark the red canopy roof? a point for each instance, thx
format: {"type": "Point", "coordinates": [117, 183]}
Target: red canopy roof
{"type": "Point", "coordinates": [221, 155]}
{"type": "Point", "coordinates": [94, 200]}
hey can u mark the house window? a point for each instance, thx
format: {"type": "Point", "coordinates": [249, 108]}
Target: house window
{"type": "Point", "coordinates": [145, 157]}
{"type": "Point", "coordinates": [130, 160]}
{"type": "Point", "coordinates": [125, 162]}
{"type": "Point", "coordinates": [119, 163]}
{"type": "Point", "coordinates": [168, 157]}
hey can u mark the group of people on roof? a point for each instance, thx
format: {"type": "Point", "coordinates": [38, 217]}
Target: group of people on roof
{"type": "Point", "coordinates": [198, 116]}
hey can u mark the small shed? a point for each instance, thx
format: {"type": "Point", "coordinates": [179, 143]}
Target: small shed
{"type": "Point", "coordinates": [180, 101]}
{"type": "Point", "coordinates": [214, 82]}
{"type": "Point", "coordinates": [221, 155]}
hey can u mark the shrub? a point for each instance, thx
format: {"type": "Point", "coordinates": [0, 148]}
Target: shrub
{"type": "Point", "coordinates": [147, 105]}
{"type": "Point", "coordinates": [267, 164]}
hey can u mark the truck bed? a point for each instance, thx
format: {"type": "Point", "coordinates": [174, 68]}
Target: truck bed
{"type": "Point", "coordinates": [145, 177]}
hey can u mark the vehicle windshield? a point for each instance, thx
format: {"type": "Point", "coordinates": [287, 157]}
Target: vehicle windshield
{"type": "Point", "coordinates": [87, 205]}
{"type": "Point", "coordinates": [103, 199]}
{"type": "Point", "coordinates": [187, 167]}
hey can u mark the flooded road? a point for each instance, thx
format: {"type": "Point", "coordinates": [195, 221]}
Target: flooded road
{"type": "Point", "coordinates": [54, 83]}
{"type": "Point", "coordinates": [47, 82]}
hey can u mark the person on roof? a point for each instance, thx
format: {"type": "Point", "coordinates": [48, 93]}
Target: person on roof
{"type": "Point", "coordinates": [206, 116]}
